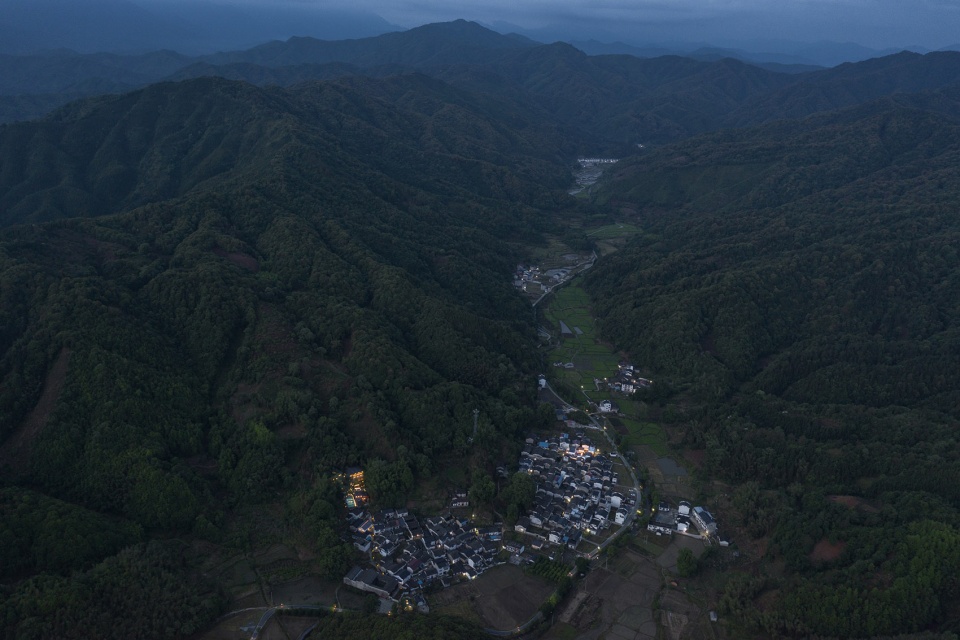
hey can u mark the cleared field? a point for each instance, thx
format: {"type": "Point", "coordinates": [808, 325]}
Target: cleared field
{"type": "Point", "coordinates": [646, 433]}
{"type": "Point", "coordinates": [591, 359]}
{"type": "Point", "coordinates": [286, 627]}
{"type": "Point", "coordinates": [668, 559]}
{"type": "Point", "coordinates": [502, 598]}
{"type": "Point", "coordinates": [237, 627]}
{"type": "Point", "coordinates": [612, 231]}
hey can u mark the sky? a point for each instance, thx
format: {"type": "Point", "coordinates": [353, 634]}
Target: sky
{"type": "Point", "coordinates": [873, 23]}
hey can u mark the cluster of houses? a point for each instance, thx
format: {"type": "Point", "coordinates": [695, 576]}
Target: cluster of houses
{"type": "Point", "coordinates": [532, 280]}
{"type": "Point", "coordinates": [589, 172]}
{"type": "Point", "coordinates": [408, 555]}
{"type": "Point", "coordinates": [666, 521]}
{"type": "Point", "coordinates": [354, 491]}
{"type": "Point", "coordinates": [627, 380]}
{"type": "Point", "coordinates": [577, 491]}
{"type": "Point", "coordinates": [588, 162]}
{"type": "Point", "coordinates": [528, 279]}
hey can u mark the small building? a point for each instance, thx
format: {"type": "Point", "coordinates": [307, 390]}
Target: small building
{"type": "Point", "coordinates": [523, 524]}
{"type": "Point", "coordinates": [663, 522]}
{"type": "Point", "coordinates": [704, 521]}
{"type": "Point", "coordinates": [608, 406]}
{"type": "Point", "coordinates": [376, 583]}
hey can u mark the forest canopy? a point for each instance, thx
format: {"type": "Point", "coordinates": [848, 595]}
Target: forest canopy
{"type": "Point", "coordinates": [798, 283]}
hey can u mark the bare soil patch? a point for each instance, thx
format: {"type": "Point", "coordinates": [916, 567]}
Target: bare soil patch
{"type": "Point", "coordinates": [237, 627]}
{"type": "Point", "coordinates": [286, 627]}
{"type": "Point", "coordinates": [696, 457]}
{"type": "Point", "coordinates": [709, 343]}
{"type": "Point", "coordinates": [306, 590]}
{"type": "Point", "coordinates": [625, 593]}
{"type": "Point", "coordinates": [582, 611]}
{"type": "Point", "coordinates": [276, 348]}
{"type": "Point", "coordinates": [668, 559]}
{"type": "Point", "coordinates": [16, 450]}
{"type": "Point", "coordinates": [826, 551]}
{"type": "Point", "coordinates": [242, 260]}
{"type": "Point", "coordinates": [853, 502]}
{"type": "Point", "coordinates": [503, 598]}
{"type": "Point", "coordinates": [768, 600]}
{"type": "Point", "coordinates": [679, 614]}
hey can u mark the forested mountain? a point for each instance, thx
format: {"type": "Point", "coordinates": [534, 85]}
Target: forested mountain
{"type": "Point", "coordinates": [239, 291]}
{"type": "Point", "coordinates": [852, 84]}
{"type": "Point", "coordinates": [799, 282]}
{"type": "Point", "coordinates": [430, 45]}
{"type": "Point", "coordinates": [215, 293]}
{"type": "Point", "coordinates": [620, 100]}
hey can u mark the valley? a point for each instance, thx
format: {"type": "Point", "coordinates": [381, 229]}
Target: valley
{"type": "Point", "coordinates": [224, 293]}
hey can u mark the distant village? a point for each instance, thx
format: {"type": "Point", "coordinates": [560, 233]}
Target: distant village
{"type": "Point", "coordinates": [530, 279]}
{"type": "Point", "coordinates": [533, 280]}
{"type": "Point", "coordinates": [589, 172]}
{"type": "Point", "coordinates": [628, 380]}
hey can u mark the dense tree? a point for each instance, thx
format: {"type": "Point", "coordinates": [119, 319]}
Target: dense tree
{"type": "Point", "coordinates": [687, 563]}
{"type": "Point", "coordinates": [795, 284]}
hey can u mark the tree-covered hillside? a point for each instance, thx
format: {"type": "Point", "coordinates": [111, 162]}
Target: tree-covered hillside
{"type": "Point", "coordinates": [255, 289]}
{"type": "Point", "coordinates": [798, 283]}
{"type": "Point", "coordinates": [216, 294]}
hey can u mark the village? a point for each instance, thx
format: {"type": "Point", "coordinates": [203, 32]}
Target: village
{"type": "Point", "coordinates": [537, 282]}
{"type": "Point", "coordinates": [578, 499]}
{"type": "Point", "coordinates": [586, 494]}
{"type": "Point", "coordinates": [579, 495]}
{"type": "Point", "coordinates": [408, 556]}
{"type": "Point", "coordinates": [588, 172]}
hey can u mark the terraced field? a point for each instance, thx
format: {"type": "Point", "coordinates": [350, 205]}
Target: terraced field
{"type": "Point", "coordinates": [593, 361]}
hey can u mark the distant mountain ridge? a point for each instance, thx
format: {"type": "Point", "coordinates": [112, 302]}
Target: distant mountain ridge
{"type": "Point", "coordinates": [621, 100]}
{"type": "Point", "coordinates": [457, 42]}
{"type": "Point", "coordinates": [113, 153]}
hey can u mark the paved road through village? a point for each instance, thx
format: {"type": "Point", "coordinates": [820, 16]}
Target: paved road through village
{"type": "Point", "coordinates": [596, 426]}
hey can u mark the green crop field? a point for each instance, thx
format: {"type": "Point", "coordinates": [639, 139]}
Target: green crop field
{"type": "Point", "coordinates": [646, 433]}
{"type": "Point", "coordinates": [612, 231]}
{"type": "Point", "coordinates": [591, 359]}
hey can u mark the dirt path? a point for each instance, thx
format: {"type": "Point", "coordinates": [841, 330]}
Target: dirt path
{"type": "Point", "coordinates": [16, 450]}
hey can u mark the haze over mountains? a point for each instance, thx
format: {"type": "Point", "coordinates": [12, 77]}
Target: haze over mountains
{"type": "Point", "coordinates": [195, 28]}
{"type": "Point", "coordinates": [224, 278]}
{"type": "Point", "coordinates": [623, 99]}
